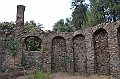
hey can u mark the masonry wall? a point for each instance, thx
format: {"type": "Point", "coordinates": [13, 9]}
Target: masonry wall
{"type": "Point", "coordinates": [76, 52]}
{"type": "Point", "coordinates": [91, 50]}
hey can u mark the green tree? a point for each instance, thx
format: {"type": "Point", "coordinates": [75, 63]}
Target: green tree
{"type": "Point", "coordinates": [85, 17]}
{"type": "Point", "coordinates": [7, 26]}
{"type": "Point", "coordinates": [102, 11]}
{"type": "Point", "coordinates": [113, 10]}
{"type": "Point", "coordinates": [105, 10]}
{"type": "Point", "coordinates": [95, 14]}
{"type": "Point", "coordinates": [32, 26]}
{"type": "Point", "coordinates": [79, 13]}
{"type": "Point", "coordinates": [62, 26]}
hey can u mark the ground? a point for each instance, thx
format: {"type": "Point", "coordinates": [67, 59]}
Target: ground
{"type": "Point", "coordinates": [68, 76]}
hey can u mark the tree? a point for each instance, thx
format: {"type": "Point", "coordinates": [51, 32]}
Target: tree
{"type": "Point", "coordinates": [29, 26]}
{"type": "Point", "coordinates": [79, 13]}
{"type": "Point", "coordinates": [113, 10]}
{"type": "Point", "coordinates": [32, 26]}
{"type": "Point", "coordinates": [105, 10]}
{"type": "Point", "coordinates": [95, 14]}
{"type": "Point", "coordinates": [102, 11]}
{"type": "Point", "coordinates": [7, 26]}
{"type": "Point", "coordinates": [62, 26]}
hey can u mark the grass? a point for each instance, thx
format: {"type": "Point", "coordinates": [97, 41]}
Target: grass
{"type": "Point", "coordinates": [103, 77]}
{"type": "Point", "coordinates": [39, 75]}
{"type": "Point", "coordinates": [61, 75]}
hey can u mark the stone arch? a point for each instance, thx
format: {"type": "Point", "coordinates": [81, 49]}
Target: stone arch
{"type": "Point", "coordinates": [101, 55]}
{"type": "Point", "coordinates": [58, 54]}
{"type": "Point", "coordinates": [32, 43]}
{"type": "Point", "coordinates": [79, 53]}
{"type": "Point", "coordinates": [32, 58]}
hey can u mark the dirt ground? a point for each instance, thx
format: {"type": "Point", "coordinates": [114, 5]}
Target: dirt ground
{"type": "Point", "coordinates": [68, 76]}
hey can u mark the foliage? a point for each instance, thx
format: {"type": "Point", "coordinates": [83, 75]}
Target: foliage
{"type": "Point", "coordinates": [10, 44]}
{"type": "Point", "coordinates": [24, 61]}
{"type": "Point", "coordinates": [11, 70]}
{"type": "Point", "coordinates": [7, 26]}
{"type": "Point", "coordinates": [43, 48]}
{"type": "Point", "coordinates": [2, 71]}
{"type": "Point", "coordinates": [4, 44]}
{"type": "Point", "coordinates": [13, 45]}
{"type": "Point", "coordinates": [85, 68]}
{"type": "Point", "coordinates": [108, 73]}
{"type": "Point", "coordinates": [65, 62]}
{"type": "Point", "coordinates": [102, 11]}
{"type": "Point", "coordinates": [90, 20]}
{"type": "Point", "coordinates": [99, 11]}
{"type": "Point", "coordinates": [32, 44]}
{"type": "Point", "coordinates": [79, 13]}
{"type": "Point", "coordinates": [32, 26]}
{"type": "Point", "coordinates": [62, 26]}
{"type": "Point", "coordinates": [112, 9]}
{"type": "Point", "coordinates": [39, 75]}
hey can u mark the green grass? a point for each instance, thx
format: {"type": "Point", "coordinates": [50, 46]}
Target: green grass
{"type": "Point", "coordinates": [39, 75]}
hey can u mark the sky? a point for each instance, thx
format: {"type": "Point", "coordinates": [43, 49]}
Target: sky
{"type": "Point", "coordinates": [46, 12]}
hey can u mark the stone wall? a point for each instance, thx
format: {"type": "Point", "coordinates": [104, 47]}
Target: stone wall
{"type": "Point", "coordinates": [91, 50]}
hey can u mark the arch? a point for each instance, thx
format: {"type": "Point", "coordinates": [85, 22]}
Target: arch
{"type": "Point", "coordinates": [79, 35]}
{"type": "Point", "coordinates": [118, 37]}
{"type": "Point", "coordinates": [32, 56]}
{"type": "Point", "coordinates": [79, 54]}
{"type": "Point", "coordinates": [101, 55]}
{"type": "Point", "coordinates": [58, 54]}
{"type": "Point", "coordinates": [32, 43]}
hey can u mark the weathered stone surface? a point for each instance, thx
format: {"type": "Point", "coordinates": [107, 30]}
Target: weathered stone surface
{"type": "Point", "coordinates": [33, 59]}
{"type": "Point", "coordinates": [20, 18]}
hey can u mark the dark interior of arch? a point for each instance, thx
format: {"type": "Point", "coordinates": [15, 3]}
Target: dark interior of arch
{"type": "Point", "coordinates": [58, 54]}
{"type": "Point", "coordinates": [32, 43]}
{"type": "Point", "coordinates": [118, 36]}
{"type": "Point", "coordinates": [79, 53]}
{"type": "Point", "coordinates": [102, 56]}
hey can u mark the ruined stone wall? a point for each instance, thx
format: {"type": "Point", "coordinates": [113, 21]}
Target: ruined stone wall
{"type": "Point", "coordinates": [91, 50]}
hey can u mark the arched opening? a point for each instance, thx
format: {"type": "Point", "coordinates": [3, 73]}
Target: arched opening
{"type": "Point", "coordinates": [58, 54]}
{"type": "Point", "coordinates": [32, 43]}
{"type": "Point", "coordinates": [118, 37]}
{"type": "Point", "coordinates": [31, 55]}
{"type": "Point", "coordinates": [101, 55]}
{"type": "Point", "coordinates": [79, 54]}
